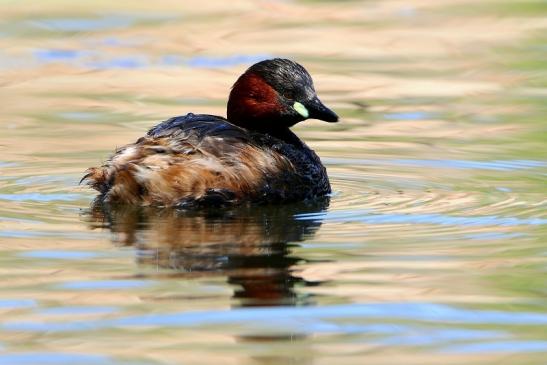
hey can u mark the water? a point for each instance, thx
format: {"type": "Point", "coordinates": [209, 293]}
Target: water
{"type": "Point", "coordinates": [431, 249]}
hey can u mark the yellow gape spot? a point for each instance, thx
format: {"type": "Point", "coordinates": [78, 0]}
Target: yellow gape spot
{"type": "Point", "coordinates": [301, 109]}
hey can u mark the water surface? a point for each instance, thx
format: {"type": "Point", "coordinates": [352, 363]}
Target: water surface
{"type": "Point", "coordinates": [431, 249]}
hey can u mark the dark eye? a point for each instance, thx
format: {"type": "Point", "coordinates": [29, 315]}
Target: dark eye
{"type": "Point", "coordinates": [288, 94]}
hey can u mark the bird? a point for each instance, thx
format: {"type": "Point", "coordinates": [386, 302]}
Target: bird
{"type": "Point", "coordinates": [201, 160]}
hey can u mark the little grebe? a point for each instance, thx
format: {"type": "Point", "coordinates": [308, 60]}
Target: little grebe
{"type": "Point", "coordinates": [203, 160]}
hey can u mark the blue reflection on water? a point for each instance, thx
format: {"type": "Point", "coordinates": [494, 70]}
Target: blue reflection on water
{"type": "Point", "coordinates": [127, 62]}
{"type": "Point", "coordinates": [407, 311]}
{"type": "Point", "coordinates": [365, 216]}
{"type": "Point", "coordinates": [36, 233]}
{"type": "Point", "coordinates": [228, 61]}
{"type": "Point", "coordinates": [172, 60]}
{"type": "Point", "coordinates": [496, 165]}
{"type": "Point", "coordinates": [40, 197]}
{"type": "Point", "coordinates": [16, 303]}
{"type": "Point", "coordinates": [7, 164]}
{"type": "Point", "coordinates": [493, 235]}
{"type": "Point", "coordinates": [304, 319]}
{"type": "Point", "coordinates": [121, 42]}
{"type": "Point", "coordinates": [33, 358]}
{"type": "Point", "coordinates": [411, 115]}
{"type": "Point", "coordinates": [98, 60]}
{"type": "Point", "coordinates": [61, 254]}
{"type": "Point", "coordinates": [105, 284]}
{"type": "Point", "coordinates": [83, 24]}
{"type": "Point", "coordinates": [52, 55]}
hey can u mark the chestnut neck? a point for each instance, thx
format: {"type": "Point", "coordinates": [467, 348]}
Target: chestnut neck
{"type": "Point", "coordinates": [255, 105]}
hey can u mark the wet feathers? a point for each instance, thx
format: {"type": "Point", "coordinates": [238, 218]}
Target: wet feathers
{"type": "Point", "coordinates": [205, 160]}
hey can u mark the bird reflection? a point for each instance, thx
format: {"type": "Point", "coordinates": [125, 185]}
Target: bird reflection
{"type": "Point", "coordinates": [251, 246]}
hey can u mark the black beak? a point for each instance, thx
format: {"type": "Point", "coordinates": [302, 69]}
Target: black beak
{"type": "Point", "coordinates": [318, 111]}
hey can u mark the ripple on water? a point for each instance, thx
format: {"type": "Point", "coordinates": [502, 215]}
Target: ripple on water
{"type": "Point", "coordinates": [514, 346]}
{"type": "Point", "coordinates": [82, 24]}
{"type": "Point", "coordinates": [100, 60]}
{"type": "Point", "coordinates": [41, 197]}
{"type": "Point", "coordinates": [496, 165]}
{"type": "Point", "coordinates": [457, 165]}
{"type": "Point", "coordinates": [82, 310]}
{"type": "Point", "coordinates": [16, 303]}
{"type": "Point", "coordinates": [98, 23]}
{"type": "Point", "coordinates": [5, 164]}
{"type": "Point", "coordinates": [105, 284]}
{"type": "Point", "coordinates": [363, 216]}
{"type": "Point", "coordinates": [410, 115]}
{"type": "Point", "coordinates": [58, 358]}
{"type": "Point", "coordinates": [382, 320]}
{"type": "Point", "coordinates": [384, 197]}
{"type": "Point", "coordinates": [62, 254]}
{"type": "Point", "coordinates": [35, 233]}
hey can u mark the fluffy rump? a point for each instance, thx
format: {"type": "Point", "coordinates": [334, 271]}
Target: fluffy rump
{"type": "Point", "coordinates": [192, 160]}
